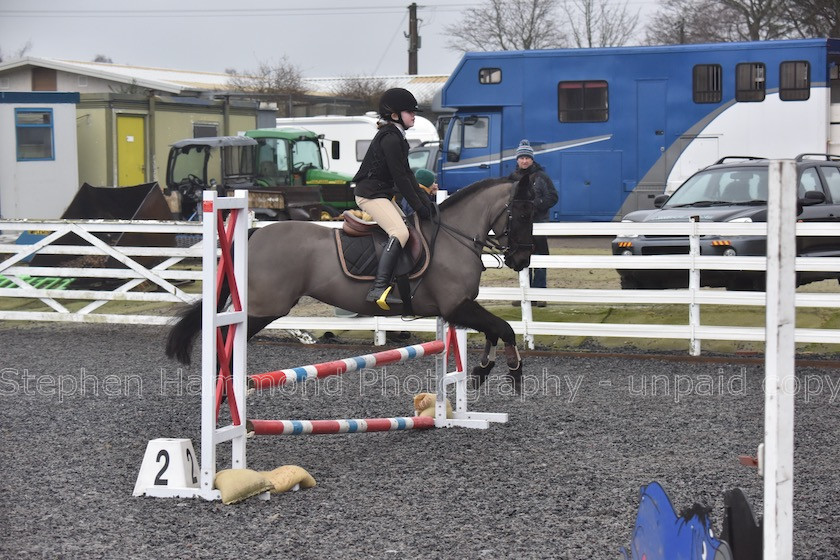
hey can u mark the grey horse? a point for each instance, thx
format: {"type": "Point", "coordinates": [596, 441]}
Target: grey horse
{"type": "Point", "coordinates": [289, 260]}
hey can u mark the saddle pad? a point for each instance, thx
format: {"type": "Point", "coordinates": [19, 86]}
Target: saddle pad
{"type": "Point", "coordinates": [359, 257]}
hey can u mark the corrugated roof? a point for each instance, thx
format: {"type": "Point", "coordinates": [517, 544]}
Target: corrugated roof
{"type": "Point", "coordinates": [179, 81]}
{"type": "Point", "coordinates": [423, 87]}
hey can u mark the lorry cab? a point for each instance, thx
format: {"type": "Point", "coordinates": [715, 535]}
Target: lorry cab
{"type": "Point", "coordinates": [473, 148]}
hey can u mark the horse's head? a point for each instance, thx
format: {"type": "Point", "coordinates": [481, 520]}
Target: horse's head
{"type": "Point", "coordinates": [517, 239]}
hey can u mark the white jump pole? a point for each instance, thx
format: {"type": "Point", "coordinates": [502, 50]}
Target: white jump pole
{"type": "Point", "coordinates": [779, 361]}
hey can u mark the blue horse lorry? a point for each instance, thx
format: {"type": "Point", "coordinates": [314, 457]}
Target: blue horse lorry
{"type": "Point", "coordinates": [615, 127]}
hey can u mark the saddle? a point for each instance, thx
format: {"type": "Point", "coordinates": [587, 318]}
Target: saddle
{"type": "Point", "coordinates": [360, 244]}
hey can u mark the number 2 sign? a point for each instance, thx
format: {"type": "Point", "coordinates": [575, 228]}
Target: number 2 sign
{"type": "Point", "coordinates": [168, 463]}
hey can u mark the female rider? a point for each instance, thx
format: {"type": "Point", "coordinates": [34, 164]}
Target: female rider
{"type": "Point", "coordinates": [385, 172]}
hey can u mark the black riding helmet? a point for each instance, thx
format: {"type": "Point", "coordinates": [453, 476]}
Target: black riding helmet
{"type": "Point", "coordinates": [396, 100]}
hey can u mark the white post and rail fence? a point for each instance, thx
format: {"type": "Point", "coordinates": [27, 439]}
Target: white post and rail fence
{"type": "Point", "coordinates": [167, 282]}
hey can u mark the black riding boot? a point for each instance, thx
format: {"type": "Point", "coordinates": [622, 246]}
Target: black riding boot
{"type": "Point", "coordinates": [381, 292]}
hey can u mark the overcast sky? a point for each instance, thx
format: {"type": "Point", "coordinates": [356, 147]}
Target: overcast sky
{"type": "Point", "coordinates": [320, 37]}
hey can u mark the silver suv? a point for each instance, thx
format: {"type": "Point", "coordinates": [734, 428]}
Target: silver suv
{"type": "Point", "coordinates": [734, 192]}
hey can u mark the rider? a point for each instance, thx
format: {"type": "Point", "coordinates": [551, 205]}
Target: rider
{"type": "Point", "coordinates": [385, 172]}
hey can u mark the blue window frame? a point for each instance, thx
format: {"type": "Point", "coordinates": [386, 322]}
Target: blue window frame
{"type": "Point", "coordinates": [34, 134]}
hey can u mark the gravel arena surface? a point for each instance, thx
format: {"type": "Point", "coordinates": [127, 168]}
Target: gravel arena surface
{"type": "Point", "coordinates": [560, 480]}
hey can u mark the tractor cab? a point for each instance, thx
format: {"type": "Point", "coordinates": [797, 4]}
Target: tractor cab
{"type": "Point", "coordinates": [221, 163]}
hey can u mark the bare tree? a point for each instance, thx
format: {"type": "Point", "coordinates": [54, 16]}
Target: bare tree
{"type": "Point", "coordinates": [759, 19]}
{"type": "Point", "coordinates": [689, 21]}
{"type": "Point", "coordinates": [367, 89]}
{"type": "Point", "coordinates": [20, 53]}
{"type": "Point", "coordinates": [814, 18]}
{"type": "Point", "coordinates": [507, 25]}
{"type": "Point", "coordinates": [282, 78]}
{"type": "Point", "coordinates": [599, 23]}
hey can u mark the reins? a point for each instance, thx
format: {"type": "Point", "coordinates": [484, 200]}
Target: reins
{"type": "Point", "coordinates": [473, 243]}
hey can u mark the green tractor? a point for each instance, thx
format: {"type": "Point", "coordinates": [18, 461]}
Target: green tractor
{"type": "Point", "coordinates": [292, 157]}
{"type": "Point", "coordinates": [281, 169]}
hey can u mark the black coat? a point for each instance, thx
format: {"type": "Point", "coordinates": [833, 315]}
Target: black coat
{"type": "Point", "coordinates": [385, 172]}
{"type": "Point", "coordinates": [545, 195]}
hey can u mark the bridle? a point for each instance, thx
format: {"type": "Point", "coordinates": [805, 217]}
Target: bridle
{"type": "Point", "coordinates": [515, 240]}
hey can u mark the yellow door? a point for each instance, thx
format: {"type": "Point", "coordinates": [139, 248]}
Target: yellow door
{"type": "Point", "coordinates": [131, 150]}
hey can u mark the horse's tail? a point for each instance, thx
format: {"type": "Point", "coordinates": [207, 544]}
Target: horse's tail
{"type": "Point", "coordinates": [179, 343]}
{"type": "Point", "coordinates": [181, 337]}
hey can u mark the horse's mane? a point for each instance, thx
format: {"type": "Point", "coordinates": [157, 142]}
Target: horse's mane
{"type": "Point", "coordinates": [469, 190]}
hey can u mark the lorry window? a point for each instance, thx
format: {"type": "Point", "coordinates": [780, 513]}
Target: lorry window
{"type": "Point", "coordinates": [794, 80]}
{"type": "Point", "coordinates": [834, 78]}
{"type": "Point", "coordinates": [455, 134]}
{"type": "Point", "coordinates": [362, 148]}
{"type": "Point", "coordinates": [582, 101]}
{"type": "Point", "coordinates": [749, 81]}
{"type": "Point", "coordinates": [490, 76]}
{"type": "Point", "coordinates": [476, 132]}
{"type": "Point", "coordinates": [707, 83]}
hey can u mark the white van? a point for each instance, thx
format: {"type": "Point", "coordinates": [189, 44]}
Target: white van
{"type": "Point", "coordinates": [346, 138]}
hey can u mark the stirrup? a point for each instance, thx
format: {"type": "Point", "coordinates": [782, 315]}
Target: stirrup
{"type": "Point", "coordinates": [385, 299]}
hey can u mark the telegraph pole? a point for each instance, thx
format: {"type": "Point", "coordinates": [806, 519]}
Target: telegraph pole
{"type": "Point", "coordinates": [413, 39]}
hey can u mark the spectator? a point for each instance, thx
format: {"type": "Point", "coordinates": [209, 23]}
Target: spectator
{"type": "Point", "coordinates": [545, 196]}
{"type": "Point", "coordinates": [426, 180]}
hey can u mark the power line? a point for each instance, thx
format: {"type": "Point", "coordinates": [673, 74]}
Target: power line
{"type": "Point", "coordinates": [227, 12]}
{"type": "Point", "coordinates": [397, 30]}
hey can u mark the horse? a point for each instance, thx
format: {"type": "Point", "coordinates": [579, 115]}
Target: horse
{"type": "Point", "coordinates": [291, 259]}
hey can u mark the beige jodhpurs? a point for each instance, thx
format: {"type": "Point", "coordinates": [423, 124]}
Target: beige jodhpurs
{"type": "Point", "coordinates": [387, 214]}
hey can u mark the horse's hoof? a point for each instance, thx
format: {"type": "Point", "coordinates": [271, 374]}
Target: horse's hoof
{"type": "Point", "coordinates": [479, 375]}
{"type": "Point", "coordinates": [516, 376]}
